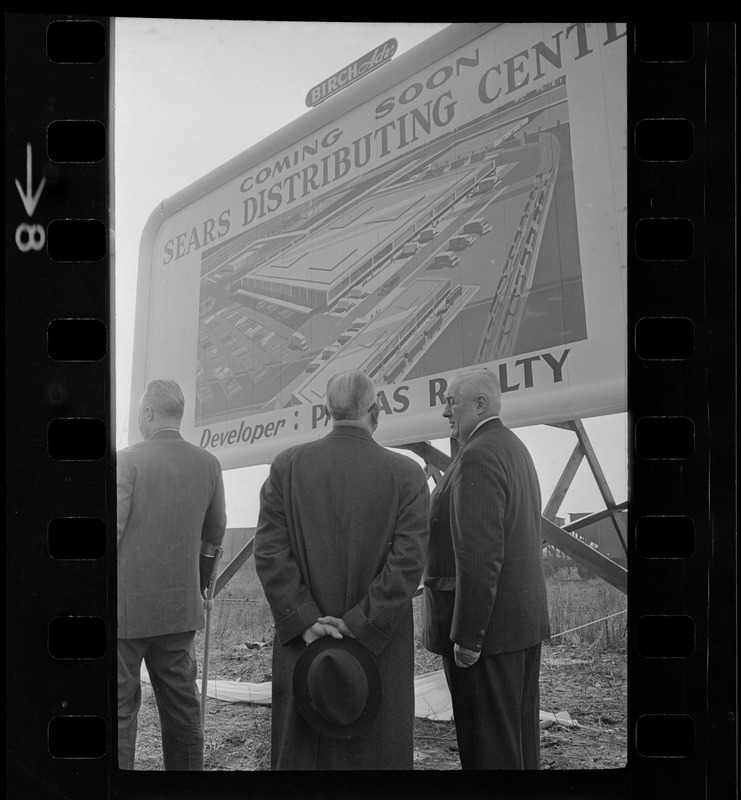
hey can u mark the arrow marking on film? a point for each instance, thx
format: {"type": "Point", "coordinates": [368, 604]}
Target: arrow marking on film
{"type": "Point", "coordinates": [30, 200]}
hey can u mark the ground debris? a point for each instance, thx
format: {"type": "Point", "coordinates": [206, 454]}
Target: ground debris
{"type": "Point", "coordinates": [237, 735]}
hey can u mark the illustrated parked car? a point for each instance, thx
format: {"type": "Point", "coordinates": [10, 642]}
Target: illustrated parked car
{"type": "Point", "coordinates": [345, 336]}
{"type": "Point", "coordinates": [445, 259]}
{"type": "Point", "coordinates": [359, 323]}
{"type": "Point", "coordinates": [477, 226]}
{"type": "Point", "coordinates": [330, 351]}
{"type": "Point", "coordinates": [345, 304]}
{"type": "Point", "coordinates": [461, 242]}
{"type": "Point", "coordinates": [389, 285]}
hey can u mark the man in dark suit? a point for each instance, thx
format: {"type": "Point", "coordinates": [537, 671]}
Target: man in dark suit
{"type": "Point", "coordinates": [485, 607]}
{"type": "Point", "coordinates": [339, 549]}
{"type": "Point", "coordinates": [171, 521]}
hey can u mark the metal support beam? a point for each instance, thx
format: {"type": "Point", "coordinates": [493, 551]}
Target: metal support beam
{"type": "Point", "coordinates": [437, 462]}
{"type": "Point", "coordinates": [233, 566]}
{"type": "Point", "coordinates": [431, 471]}
{"type": "Point", "coordinates": [599, 475]}
{"type": "Point", "coordinates": [564, 482]}
{"type": "Point", "coordinates": [558, 537]}
{"type": "Point", "coordinates": [430, 454]}
{"type": "Point", "coordinates": [565, 425]}
{"type": "Point", "coordinates": [582, 522]}
{"type": "Point", "coordinates": [600, 565]}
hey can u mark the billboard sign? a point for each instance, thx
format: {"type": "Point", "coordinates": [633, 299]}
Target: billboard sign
{"type": "Point", "coordinates": [465, 205]}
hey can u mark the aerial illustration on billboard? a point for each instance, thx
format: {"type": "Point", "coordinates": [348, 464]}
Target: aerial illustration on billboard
{"type": "Point", "coordinates": [456, 244]}
{"type": "Point", "coordinates": [468, 210]}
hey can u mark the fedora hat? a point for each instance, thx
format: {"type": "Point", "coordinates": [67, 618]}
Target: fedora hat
{"type": "Point", "coordinates": [337, 686]}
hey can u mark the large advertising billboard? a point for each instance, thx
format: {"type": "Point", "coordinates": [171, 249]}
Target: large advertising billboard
{"type": "Point", "coordinates": [463, 205]}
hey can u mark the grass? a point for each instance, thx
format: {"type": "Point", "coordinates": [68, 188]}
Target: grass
{"type": "Point", "coordinates": [573, 603]}
{"type": "Point", "coordinates": [241, 612]}
{"type": "Point", "coordinates": [242, 615]}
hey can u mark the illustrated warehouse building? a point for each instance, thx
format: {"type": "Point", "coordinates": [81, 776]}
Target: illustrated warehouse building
{"type": "Point", "coordinates": [316, 272]}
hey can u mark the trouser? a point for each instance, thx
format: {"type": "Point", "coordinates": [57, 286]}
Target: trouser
{"type": "Point", "coordinates": [171, 663]}
{"type": "Point", "coordinates": [496, 707]}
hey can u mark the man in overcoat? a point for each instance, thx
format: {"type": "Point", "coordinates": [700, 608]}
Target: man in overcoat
{"type": "Point", "coordinates": [171, 521]}
{"type": "Point", "coordinates": [339, 549]}
{"type": "Point", "coordinates": [485, 607]}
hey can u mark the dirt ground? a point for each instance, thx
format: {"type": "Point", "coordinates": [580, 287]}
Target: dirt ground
{"type": "Point", "coordinates": [587, 681]}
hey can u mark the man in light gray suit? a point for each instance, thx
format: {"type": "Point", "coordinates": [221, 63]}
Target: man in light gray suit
{"type": "Point", "coordinates": [171, 521]}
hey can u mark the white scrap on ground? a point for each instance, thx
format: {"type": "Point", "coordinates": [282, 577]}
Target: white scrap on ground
{"type": "Point", "coordinates": [431, 697]}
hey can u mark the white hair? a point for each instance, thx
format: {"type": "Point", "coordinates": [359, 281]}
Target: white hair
{"type": "Point", "coordinates": [165, 397]}
{"type": "Point", "coordinates": [350, 395]}
{"type": "Point", "coordinates": [479, 381]}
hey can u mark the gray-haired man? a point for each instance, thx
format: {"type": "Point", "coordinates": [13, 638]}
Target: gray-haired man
{"type": "Point", "coordinates": [339, 548]}
{"type": "Point", "coordinates": [171, 520]}
{"type": "Point", "coordinates": [485, 607]}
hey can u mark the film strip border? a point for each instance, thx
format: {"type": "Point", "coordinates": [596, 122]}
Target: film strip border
{"type": "Point", "coordinates": [60, 447]}
{"type": "Point", "coordinates": [60, 557]}
{"type": "Point", "coordinates": [681, 399]}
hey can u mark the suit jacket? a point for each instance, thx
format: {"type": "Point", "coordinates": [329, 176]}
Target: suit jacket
{"type": "Point", "coordinates": [170, 498]}
{"type": "Point", "coordinates": [484, 584]}
{"type": "Point", "coordinates": [343, 530]}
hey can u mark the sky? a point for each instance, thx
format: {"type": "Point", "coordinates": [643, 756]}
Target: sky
{"type": "Point", "coordinates": [188, 95]}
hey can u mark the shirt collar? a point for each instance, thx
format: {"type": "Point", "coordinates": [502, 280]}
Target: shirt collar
{"type": "Point", "coordinates": [161, 430]}
{"type": "Point", "coordinates": [480, 424]}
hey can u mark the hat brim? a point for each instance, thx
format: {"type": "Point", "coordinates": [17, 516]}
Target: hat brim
{"type": "Point", "coordinates": [303, 697]}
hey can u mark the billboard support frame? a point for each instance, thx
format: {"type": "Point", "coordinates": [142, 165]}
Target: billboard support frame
{"type": "Point", "coordinates": [559, 537]}
{"type": "Point", "coordinates": [584, 449]}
